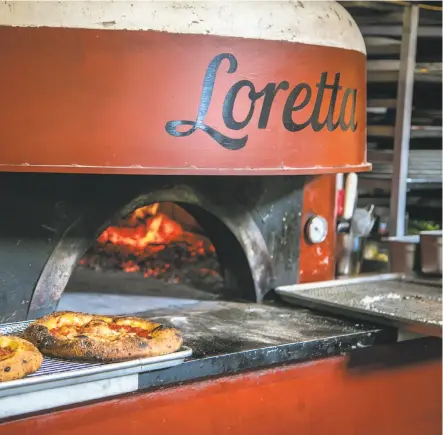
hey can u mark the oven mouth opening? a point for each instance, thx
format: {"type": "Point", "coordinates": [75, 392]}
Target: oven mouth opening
{"type": "Point", "coordinates": [161, 255]}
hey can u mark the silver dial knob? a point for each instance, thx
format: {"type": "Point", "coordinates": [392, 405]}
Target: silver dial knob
{"type": "Point", "coordinates": [316, 229]}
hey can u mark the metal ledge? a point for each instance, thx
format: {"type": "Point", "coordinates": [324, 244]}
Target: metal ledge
{"type": "Point", "coordinates": [417, 131]}
{"type": "Point", "coordinates": [394, 300]}
{"type": "Point", "coordinates": [397, 31]}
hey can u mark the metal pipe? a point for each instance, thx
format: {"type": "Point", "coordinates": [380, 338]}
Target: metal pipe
{"type": "Point", "coordinates": [403, 120]}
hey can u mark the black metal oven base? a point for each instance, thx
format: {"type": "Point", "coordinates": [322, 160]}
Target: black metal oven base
{"type": "Point", "coordinates": [230, 338]}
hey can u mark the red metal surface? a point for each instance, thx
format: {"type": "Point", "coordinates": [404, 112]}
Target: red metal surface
{"type": "Point", "coordinates": [316, 398]}
{"type": "Point", "coordinates": [96, 101]}
{"type": "Point", "coordinates": [317, 262]}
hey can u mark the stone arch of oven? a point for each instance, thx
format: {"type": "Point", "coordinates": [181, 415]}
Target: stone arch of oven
{"type": "Point", "coordinates": [238, 241]}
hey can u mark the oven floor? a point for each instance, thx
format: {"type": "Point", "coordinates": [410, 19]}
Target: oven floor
{"type": "Point", "coordinates": [211, 326]}
{"type": "Point", "coordinates": [219, 327]}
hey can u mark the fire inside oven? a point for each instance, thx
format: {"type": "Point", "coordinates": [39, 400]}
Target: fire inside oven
{"type": "Point", "coordinates": [163, 248]}
{"type": "Point", "coordinates": [159, 241]}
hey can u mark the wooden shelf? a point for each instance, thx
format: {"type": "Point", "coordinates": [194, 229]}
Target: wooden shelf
{"type": "Point", "coordinates": [404, 70]}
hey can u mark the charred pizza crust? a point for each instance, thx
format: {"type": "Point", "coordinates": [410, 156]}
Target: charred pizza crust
{"type": "Point", "coordinates": [18, 358]}
{"type": "Point", "coordinates": [90, 337]}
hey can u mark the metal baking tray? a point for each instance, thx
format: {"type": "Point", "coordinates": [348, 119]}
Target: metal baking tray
{"type": "Point", "coordinates": [389, 299]}
{"type": "Point", "coordinates": [56, 373]}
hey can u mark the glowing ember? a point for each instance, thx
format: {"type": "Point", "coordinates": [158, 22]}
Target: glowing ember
{"type": "Point", "coordinates": [150, 241]}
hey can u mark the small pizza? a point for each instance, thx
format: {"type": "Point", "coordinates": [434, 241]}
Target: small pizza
{"type": "Point", "coordinates": [90, 337]}
{"type": "Point", "coordinates": [18, 358]}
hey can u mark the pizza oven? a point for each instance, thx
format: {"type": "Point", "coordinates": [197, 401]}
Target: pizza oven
{"type": "Point", "coordinates": [108, 120]}
{"type": "Point", "coordinates": [252, 226]}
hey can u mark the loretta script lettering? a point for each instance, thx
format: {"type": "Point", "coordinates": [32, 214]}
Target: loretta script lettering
{"type": "Point", "coordinates": [297, 100]}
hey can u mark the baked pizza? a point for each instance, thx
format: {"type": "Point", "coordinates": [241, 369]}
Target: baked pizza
{"type": "Point", "coordinates": [18, 358]}
{"type": "Point", "coordinates": [91, 337]}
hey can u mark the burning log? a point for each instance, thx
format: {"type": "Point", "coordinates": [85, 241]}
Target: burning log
{"type": "Point", "coordinates": [150, 242]}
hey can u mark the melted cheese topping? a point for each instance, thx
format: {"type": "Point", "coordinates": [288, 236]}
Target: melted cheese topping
{"type": "Point", "coordinates": [99, 329]}
{"type": "Point", "coordinates": [130, 330]}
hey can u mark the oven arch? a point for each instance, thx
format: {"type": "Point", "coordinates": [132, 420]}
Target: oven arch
{"type": "Point", "coordinates": [238, 241]}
